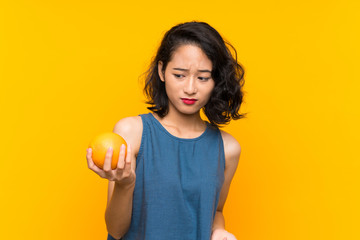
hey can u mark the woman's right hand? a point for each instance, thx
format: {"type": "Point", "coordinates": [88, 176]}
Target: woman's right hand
{"type": "Point", "coordinates": [123, 174]}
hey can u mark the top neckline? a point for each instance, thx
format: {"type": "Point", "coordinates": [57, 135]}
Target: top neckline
{"type": "Point", "coordinates": [178, 138]}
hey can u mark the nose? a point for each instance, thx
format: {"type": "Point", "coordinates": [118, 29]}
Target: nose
{"type": "Point", "coordinates": [190, 86]}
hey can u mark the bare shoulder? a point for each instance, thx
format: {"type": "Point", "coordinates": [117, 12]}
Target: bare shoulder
{"type": "Point", "coordinates": [130, 128]}
{"type": "Point", "coordinates": [232, 148]}
{"type": "Point", "coordinates": [128, 124]}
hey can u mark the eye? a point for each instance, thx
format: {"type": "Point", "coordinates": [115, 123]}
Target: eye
{"type": "Point", "coordinates": [203, 78]}
{"type": "Point", "coordinates": [178, 75]}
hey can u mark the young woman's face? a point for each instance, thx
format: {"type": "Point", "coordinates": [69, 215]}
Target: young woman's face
{"type": "Point", "coordinates": [188, 80]}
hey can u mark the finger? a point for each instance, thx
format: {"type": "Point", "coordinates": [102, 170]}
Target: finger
{"type": "Point", "coordinates": [90, 162]}
{"type": "Point", "coordinates": [231, 237]}
{"type": "Point", "coordinates": [128, 159]}
{"type": "Point", "coordinates": [121, 160]}
{"type": "Point", "coordinates": [108, 158]}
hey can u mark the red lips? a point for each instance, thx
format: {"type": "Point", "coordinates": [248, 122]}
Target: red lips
{"type": "Point", "coordinates": [189, 101]}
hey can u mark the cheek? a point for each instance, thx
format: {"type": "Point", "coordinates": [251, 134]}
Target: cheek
{"type": "Point", "coordinates": [211, 89]}
{"type": "Point", "coordinates": [171, 85]}
{"type": "Point", "coordinates": [170, 90]}
{"type": "Point", "coordinates": [208, 95]}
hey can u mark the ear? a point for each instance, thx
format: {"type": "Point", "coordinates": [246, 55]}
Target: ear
{"type": "Point", "coordinates": [161, 74]}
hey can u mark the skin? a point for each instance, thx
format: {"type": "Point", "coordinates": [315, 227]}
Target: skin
{"type": "Point", "coordinates": [182, 121]}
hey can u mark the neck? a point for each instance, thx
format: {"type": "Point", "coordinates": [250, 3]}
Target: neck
{"type": "Point", "coordinates": [186, 122]}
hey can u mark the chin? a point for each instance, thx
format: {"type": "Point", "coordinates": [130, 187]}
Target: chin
{"type": "Point", "coordinates": [189, 111]}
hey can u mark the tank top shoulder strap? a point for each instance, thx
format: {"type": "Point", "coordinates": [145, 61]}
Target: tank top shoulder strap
{"type": "Point", "coordinates": [145, 122]}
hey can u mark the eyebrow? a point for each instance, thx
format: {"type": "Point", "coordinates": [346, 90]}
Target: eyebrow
{"type": "Point", "coordinates": [186, 70]}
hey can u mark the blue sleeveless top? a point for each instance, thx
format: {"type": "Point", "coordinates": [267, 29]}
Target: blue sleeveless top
{"type": "Point", "coordinates": [178, 183]}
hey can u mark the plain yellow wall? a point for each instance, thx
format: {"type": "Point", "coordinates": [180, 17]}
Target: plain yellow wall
{"type": "Point", "coordinates": [70, 70]}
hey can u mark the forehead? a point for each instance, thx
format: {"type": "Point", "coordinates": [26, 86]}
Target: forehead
{"type": "Point", "coordinates": [190, 57]}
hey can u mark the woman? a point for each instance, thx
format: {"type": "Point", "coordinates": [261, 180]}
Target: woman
{"type": "Point", "coordinates": [176, 175]}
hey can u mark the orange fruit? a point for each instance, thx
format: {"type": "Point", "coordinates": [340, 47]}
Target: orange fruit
{"type": "Point", "coordinates": [100, 144]}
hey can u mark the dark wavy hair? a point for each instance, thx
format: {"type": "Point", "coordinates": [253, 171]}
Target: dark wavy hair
{"type": "Point", "coordinates": [227, 95]}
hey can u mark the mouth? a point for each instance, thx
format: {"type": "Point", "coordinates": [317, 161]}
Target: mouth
{"type": "Point", "coordinates": [189, 101]}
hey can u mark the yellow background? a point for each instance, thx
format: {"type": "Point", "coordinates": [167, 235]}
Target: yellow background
{"type": "Point", "coordinates": [71, 69]}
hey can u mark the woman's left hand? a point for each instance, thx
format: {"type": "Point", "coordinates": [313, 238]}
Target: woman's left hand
{"type": "Point", "coordinates": [222, 234]}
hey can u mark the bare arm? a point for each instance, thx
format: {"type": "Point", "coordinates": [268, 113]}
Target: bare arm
{"type": "Point", "coordinates": [232, 154]}
{"type": "Point", "coordinates": [119, 209]}
{"type": "Point", "coordinates": [120, 196]}
{"type": "Point", "coordinates": [219, 221]}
